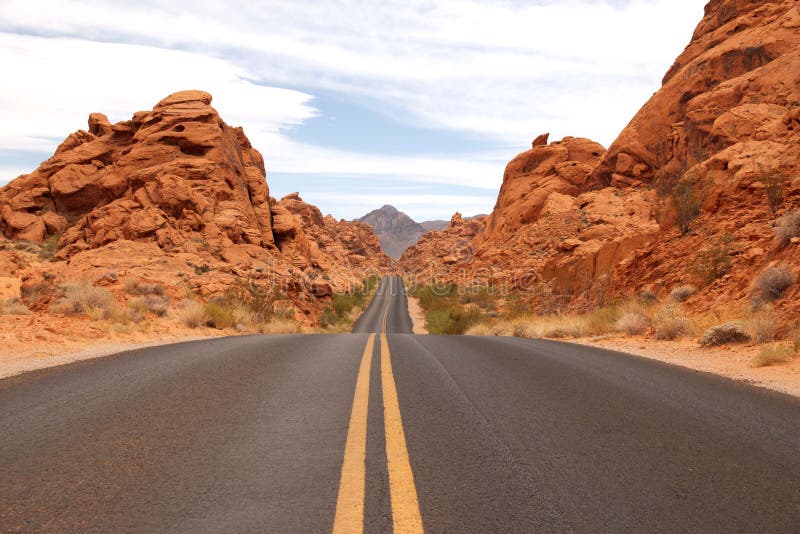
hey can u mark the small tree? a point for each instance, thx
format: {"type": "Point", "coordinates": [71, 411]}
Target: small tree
{"type": "Point", "coordinates": [715, 261]}
{"type": "Point", "coordinates": [686, 200]}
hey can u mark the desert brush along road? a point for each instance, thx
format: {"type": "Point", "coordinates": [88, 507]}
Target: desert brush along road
{"type": "Point", "coordinates": [382, 431]}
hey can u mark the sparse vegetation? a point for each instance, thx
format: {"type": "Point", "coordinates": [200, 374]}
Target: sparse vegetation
{"type": "Point", "coordinates": [682, 292]}
{"type": "Point", "coordinates": [193, 313]}
{"type": "Point", "coordinates": [632, 323]}
{"type": "Point", "coordinates": [774, 281]}
{"type": "Point", "coordinates": [80, 297]}
{"type": "Point", "coordinates": [670, 323]}
{"type": "Point", "coordinates": [786, 228]}
{"type": "Point", "coordinates": [219, 316]}
{"type": "Point", "coordinates": [762, 326]}
{"type": "Point", "coordinates": [13, 307]}
{"type": "Point", "coordinates": [134, 287]}
{"type": "Point", "coordinates": [345, 307]}
{"type": "Point", "coordinates": [714, 262]}
{"type": "Point", "coordinates": [158, 306]}
{"type": "Point", "coordinates": [774, 354]}
{"type": "Point", "coordinates": [686, 199]}
{"type": "Point", "coordinates": [725, 333]}
{"type": "Point", "coordinates": [773, 189]}
{"type": "Point", "coordinates": [49, 247]}
{"type": "Point", "coordinates": [448, 312]}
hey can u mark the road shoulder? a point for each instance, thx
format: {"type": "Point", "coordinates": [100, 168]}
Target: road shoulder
{"type": "Point", "coordinates": [732, 361]}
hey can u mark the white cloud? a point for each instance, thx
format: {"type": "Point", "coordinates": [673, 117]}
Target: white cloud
{"type": "Point", "coordinates": [58, 82]}
{"type": "Point", "coordinates": [507, 69]}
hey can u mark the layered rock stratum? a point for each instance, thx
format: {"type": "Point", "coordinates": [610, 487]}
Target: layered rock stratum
{"type": "Point", "coordinates": [177, 195]}
{"type": "Point", "coordinates": [584, 223]}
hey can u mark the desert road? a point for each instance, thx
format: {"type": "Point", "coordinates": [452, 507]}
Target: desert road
{"type": "Point", "coordinates": [388, 431]}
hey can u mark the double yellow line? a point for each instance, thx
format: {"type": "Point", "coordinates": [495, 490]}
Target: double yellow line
{"type": "Point", "coordinates": [406, 517]}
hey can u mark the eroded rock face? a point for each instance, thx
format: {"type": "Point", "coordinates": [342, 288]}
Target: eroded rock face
{"type": "Point", "coordinates": [174, 174]}
{"type": "Point", "coordinates": [574, 217]}
{"type": "Point", "coordinates": [178, 187]}
{"type": "Point", "coordinates": [736, 83]}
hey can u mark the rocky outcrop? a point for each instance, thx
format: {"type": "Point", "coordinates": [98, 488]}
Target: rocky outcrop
{"type": "Point", "coordinates": [531, 177]}
{"type": "Point", "coordinates": [396, 230]}
{"type": "Point", "coordinates": [438, 251]}
{"type": "Point", "coordinates": [718, 146]}
{"type": "Point", "coordinates": [178, 186]}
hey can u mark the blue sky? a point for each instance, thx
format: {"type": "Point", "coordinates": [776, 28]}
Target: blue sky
{"type": "Point", "coordinates": [416, 103]}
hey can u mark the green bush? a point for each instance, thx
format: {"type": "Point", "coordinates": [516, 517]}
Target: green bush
{"type": "Point", "coordinates": [451, 320]}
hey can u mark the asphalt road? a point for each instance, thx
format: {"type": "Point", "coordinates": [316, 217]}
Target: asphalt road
{"type": "Point", "coordinates": [314, 433]}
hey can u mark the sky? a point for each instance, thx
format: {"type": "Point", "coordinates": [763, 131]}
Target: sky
{"type": "Point", "coordinates": [353, 103]}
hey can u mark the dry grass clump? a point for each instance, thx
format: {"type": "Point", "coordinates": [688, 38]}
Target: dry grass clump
{"type": "Point", "coordinates": [481, 329]}
{"type": "Point", "coordinates": [13, 307]}
{"type": "Point", "coordinates": [632, 323]}
{"type": "Point", "coordinates": [134, 287]}
{"type": "Point", "coordinates": [725, 333]}
{"type": "Point", "coordinates": [635, 316]}
{"type": "Point", "coordinates": [670, 323]}
{"type": "Point", "coordinates": [774, 281]}
{"type": "Point", "coordinates": [682, 292]}
{"type": "Point", "coordinates": [774, 354]}
{"type": "Point", "coordinates": [158, 306]}
{"type": "Point", "coordinates": [762, 326]}
{"type": "Point", "coordinates": [787, 227]}
{"type": "Point", "coordinates": [80, 297]}
{"type": "Point", "coordinates": [193, 313]}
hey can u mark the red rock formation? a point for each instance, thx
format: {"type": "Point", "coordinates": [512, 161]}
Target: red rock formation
{"type": "Point", "coordinates": [726, 124]}
{"type": "Point", "coordinates": [178, 187]}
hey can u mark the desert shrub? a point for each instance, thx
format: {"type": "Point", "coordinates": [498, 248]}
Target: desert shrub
{"type": "Point", "coordinates": [762, 326]}
{"type": "Point", "coordinates": [344, 306]}
{"type": "Point", "coordinates": [786, 228]}
{"type": "Point", "coordinates": [482, 296]}
{"type": "Point", "coordinates": [714, 262]}
{"type": "Point", "coordinates": [150, 304]}
{"type": "Point", "coordinates": [773, 354]}
{"type": "Point", "coordinates": [774, 281]}
{"type": "Point", "coordinates": [686, 199]}
{"type": "Point", "coordinates": [135, 287]}
{"type": "Point", "coordinates": [682, 292]}
{"type": "Point", "coordinates": [193, 314]}
{"type": "Point", "coordinates": [450, 320]}
{"type": "Point", "coordinates": [49, 247]}
{"type": "Point", "coordinates": [280, 326]}
{"type": "Point", "coordinates": [80, 297]}
{"type": "Point", "coordinates": [632, 323]}
{"type": "Point", "coordinates": [647, 297]}
{"type": "Point", "coordinates": [670, 324]}
{"type": "Point", "coordinates": [219, 316]}
{"type": "Point", "coordinates": [13, 307]}
{"type": "Point", "coordinates": [773, 189]}
{"type": "Point", "coordinates": [481, 329]}
{"type": "Point", "coordinates": [328, 317]}
{"type": "Point", "coordinates": [523, 329]}
{"type": "Point", "coordinates": [597, 322]}
{"type": "Point", "coordinates": [730, 332]}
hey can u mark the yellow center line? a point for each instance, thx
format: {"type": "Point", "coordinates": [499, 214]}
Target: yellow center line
{"type": "Point", "coordinates": [388, 305]}
{"type": "Point", "coordinates": [406, 517]}
{"type": "Point", "coordinates": [350, 504]}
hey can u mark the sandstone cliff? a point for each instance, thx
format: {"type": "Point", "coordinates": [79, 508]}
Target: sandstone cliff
{"type": "Point", "coordinates": [177, 195]}
{"type": "Point", "coordinates": [707, 168]}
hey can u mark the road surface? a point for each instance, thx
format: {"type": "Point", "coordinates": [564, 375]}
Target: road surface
{"type": "Point", "coordinates": [388, 431]}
